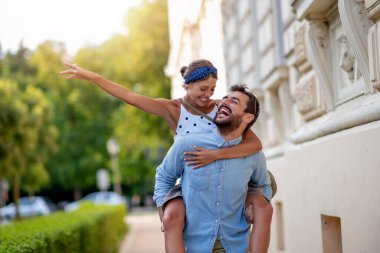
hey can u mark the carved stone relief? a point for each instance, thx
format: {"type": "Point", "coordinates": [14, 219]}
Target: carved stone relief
{"type": "Point", "coordinates": [312, 53]}
{"type": "Point", "coordinates": [373, 9]}
{"type": "Point", "coordinates": [346, 59]}
{"type": "Point", "coordinates": [318, 49]}
{"type": "Point", "coordinates": [374, 55]}
{"type": "Point", "coordinates": [308, 98]}
{"type": "Point", "coordinates": [348, 81]}
{"type": "Point", "coordinates": [356, 25]}
{"type": "Point", "coordinates": [305, 96]}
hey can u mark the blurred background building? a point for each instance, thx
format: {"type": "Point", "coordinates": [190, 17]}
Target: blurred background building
{"type": "Point", "coordinates": [315, 66]}
{"type": "Point", "coordinates": [195, 29]}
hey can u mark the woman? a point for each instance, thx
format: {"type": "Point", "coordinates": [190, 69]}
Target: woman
{"type": "Point", "coordinates": [183, 117]}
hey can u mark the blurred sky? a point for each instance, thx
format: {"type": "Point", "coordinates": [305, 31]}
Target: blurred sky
{"type": "Point", "coordinates": [75, 22]}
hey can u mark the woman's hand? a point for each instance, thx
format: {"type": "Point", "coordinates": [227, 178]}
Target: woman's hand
{"type": "Point", "coordinates": [75, 71]}
{"type": "Point", "coordinates": [200, 157]}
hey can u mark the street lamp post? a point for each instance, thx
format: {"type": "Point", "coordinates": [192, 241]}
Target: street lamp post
{"type": "Point", "coordinates": [113, 150]}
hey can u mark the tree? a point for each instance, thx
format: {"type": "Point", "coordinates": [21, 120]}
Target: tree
{"type": "Point", "coordinates": [144, 137]}
{"type": "Point", "coordinates": [27, 136]}
{"type": "Point", "coordinates": [34, 179]}
{"type": "Point", "coordinates": [136, 61]}
{"type": "Point", "coordinates": [81, 117]}
{"type": "Point", "coordinates": [49, 124]}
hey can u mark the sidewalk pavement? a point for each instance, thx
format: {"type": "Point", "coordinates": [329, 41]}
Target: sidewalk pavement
{"type": "Point", "coordinates": [144, 235]}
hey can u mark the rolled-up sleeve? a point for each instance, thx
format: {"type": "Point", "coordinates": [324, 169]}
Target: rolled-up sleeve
{"type": "Point", "coordinates": [260, 177]}
{"type": "Point", "coordinates": [169, 171]}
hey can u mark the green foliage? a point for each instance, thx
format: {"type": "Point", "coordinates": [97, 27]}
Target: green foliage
{"type": "Point", "coordinates": [27, 137]}
{"type": "Point", "coordinates": [34, 179]}
{"type": "Point", "coordinates": [137, 61]}
{"type": "Point", "coordinates": [14, 65]}
{"type": "Point", "coordinates": [92, 229]}
{"type": "Point", "coordinates": [81, 117]}
{"type": "Point", "coordinates": [53, 132]}
{"type": "Point", "coordinates": [145, 137]}
{"type": "Point", "coordinates": [12, 123]}
{"type": "Point", "coordinates": [149, 43]}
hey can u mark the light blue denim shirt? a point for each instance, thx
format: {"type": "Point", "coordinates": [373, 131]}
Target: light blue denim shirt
{"type": "Point", "coordinates": [214, 195]}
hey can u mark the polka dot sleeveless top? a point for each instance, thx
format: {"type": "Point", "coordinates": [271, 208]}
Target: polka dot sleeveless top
{"type": "Point", "coordinates": [190, 123]}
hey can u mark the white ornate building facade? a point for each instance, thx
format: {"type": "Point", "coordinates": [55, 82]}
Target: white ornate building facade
{"type": "Point", "coordinates": [315, 65]}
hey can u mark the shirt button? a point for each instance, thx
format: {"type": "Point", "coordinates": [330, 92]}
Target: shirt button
{"type": "Point", "coordinates": [216, 221]}
{"type": "Point", "coordinates": [217, 203]}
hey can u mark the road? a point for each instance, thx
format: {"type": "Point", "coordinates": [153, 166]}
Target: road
{"type": "Point", "coordinates": [144, 234]}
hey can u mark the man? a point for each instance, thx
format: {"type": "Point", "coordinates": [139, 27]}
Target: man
{"type": "Point", "coordinates": [214, 195]}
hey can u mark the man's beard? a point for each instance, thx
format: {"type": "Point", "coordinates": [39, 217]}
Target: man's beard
{"type": "Point", "coordinates": [228, 125]}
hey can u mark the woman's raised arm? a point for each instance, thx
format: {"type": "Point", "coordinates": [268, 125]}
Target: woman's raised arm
{"type": "Point", "coordinates": [202, 157]}
{"type": "Point", "coordinates": [158, 106]}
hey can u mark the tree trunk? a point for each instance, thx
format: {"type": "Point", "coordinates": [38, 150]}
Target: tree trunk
{"type": "Point", "coordinates": [16, 194]}
{"type": "Point", "coordinates": [77, 193]}
{"type": "Point", "coordinates": [2, 197]}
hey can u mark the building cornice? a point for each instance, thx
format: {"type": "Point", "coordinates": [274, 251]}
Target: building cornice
{"type": "Point", "coordinates": [354, 113]}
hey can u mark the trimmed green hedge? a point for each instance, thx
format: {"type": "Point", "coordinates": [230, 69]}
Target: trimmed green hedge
{"type": "Point", "coordinates": [90, 229]}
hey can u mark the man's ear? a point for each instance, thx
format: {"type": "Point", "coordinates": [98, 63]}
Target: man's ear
{"type": "Point", "coordinates": [248, 117]}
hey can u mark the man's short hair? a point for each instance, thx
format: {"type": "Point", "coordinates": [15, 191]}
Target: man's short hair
{"type": "Point", "coordinates": [253, 105]}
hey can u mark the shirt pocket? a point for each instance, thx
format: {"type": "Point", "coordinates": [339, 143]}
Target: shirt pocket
{"type": "Point", "coordinates": [199, 178]}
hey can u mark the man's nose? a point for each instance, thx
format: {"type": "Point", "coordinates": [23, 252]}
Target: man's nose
{"type": "Point", "coordinates": [223, 103]}
{"type": "Point", "coordinates": [226, 100]}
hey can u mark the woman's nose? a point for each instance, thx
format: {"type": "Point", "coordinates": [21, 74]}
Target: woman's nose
{"type": "Point", "coordinates": [209, 94]}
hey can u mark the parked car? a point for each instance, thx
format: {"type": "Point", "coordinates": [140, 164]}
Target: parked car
{"type": "Point", "coordinates": [28, 207]}
{"type": "Point", "coordinates": [98, 198]}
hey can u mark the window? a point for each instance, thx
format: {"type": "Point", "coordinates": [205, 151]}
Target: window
{"type": "Point", "coordinates": [280, 227]}
{"type": "Point", "coordinates": [331, 234]}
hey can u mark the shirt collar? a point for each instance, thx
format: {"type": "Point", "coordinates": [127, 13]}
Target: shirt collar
{"type": "Point", "coordinates": [223, 143]}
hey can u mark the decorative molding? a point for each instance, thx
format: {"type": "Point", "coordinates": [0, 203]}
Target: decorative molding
{"type": "Point", "coordinates": [318, 51]}
{"type": "Point", "coordinates": [374, 55]}
{"type": "Point", "coordinates": [275, 152]}
{"type": "Point", "coordinates": [356, 24]}
{"type": "Point", "coordinates": [373, 9]}
{"type": "Point", "coordinates": [312, 9]}
{"type": "Point", "coordinates": [359, 112]}
{"type": "Point", "coordinates": [305, 96]}
{"type": "Point", "coordinates": [308, 98]}
{"type": "Point", "coordinates": [276, 77]}
{"type": "Point", "coordinates": [300, 58]}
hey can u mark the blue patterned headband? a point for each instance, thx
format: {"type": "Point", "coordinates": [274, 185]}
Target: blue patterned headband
{"type": "Point", "coordinates": [200, 73]}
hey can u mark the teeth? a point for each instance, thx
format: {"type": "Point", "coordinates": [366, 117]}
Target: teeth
{"type": "Point", "coordinates": [225, 111]}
